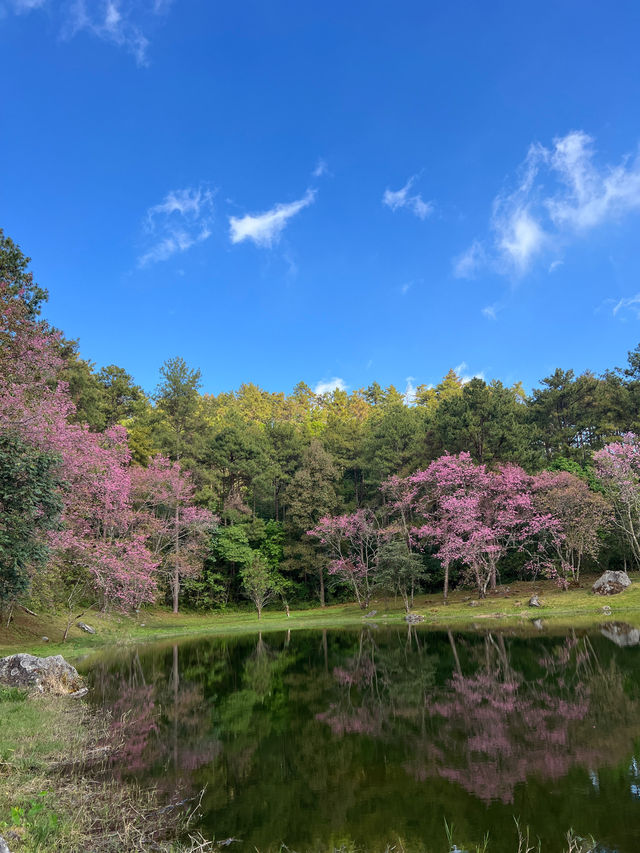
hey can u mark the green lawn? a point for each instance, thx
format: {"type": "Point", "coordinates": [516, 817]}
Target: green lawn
{"type": "Point", "coordinates": [508, 607]}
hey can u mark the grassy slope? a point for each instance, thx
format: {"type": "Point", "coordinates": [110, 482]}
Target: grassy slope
{"type": "Point", "coordinates": [508, 607]}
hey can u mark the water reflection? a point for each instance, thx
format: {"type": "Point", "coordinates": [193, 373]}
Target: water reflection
{"type": "Point", "coordinates": [314, 739]}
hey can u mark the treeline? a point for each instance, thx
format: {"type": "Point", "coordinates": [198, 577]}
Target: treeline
{"type": "Point", "coordinates": [258, 470]}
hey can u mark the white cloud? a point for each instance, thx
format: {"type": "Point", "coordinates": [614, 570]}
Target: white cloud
{"type": "Point", "coordinates": [22, 6]}
{"type": "Point", "coordinates": [119, 22]}
{"type": "Point", "coordinates": [631, 303]}
{"type": "Point", "coordinates": [321, 168]}
{"type": "Point", "coordinates": [112, 22]}
{"type": "Point", "coordinates": [519, 237]}
{"type": "Point", "coordinates": [396, 199]}
{"type": "Point", "coordinates": [461, 372]}
{"type": "Point", "coordinates": [553, 266]}
{"type": "Point", "coordinates": [561, 194]}
{"type": "Point", "coordinates": [592, 195]}
{"type": "Point", "coordinates": [326, 386]}
{"type": "Point", "coordinates": [468, 263]}
{"type": "Point", "coordinates": [264, 229]}
{"type": "Point", "coordinates": [410, 391]}
{"type": "Point", "coordinates": [177, 223]}
{"type": "Point", "coordinates": [490, 312]}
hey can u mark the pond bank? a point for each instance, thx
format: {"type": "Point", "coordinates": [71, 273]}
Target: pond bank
{"type": "Point", "coordinates": [508, 607]}
{"type": "Point", "coordinates": [56, 793]}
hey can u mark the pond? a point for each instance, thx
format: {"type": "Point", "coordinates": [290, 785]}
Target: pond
{"type": "Point", "coordinates": [319, 739]}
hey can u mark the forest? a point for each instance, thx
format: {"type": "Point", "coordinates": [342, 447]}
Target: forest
{"type": "Point", "coordinates": [113, 497]}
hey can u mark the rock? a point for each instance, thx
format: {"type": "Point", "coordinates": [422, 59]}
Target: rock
{"type": "Point", "coordinates": [621, 634]}
{"type": "Point", "coordinates": [473, 604]}
{"type": "Point", "coordinates": [46, 675]}
{"type": "Point", "coordinates": [539, 624]}
{"type": "Point", "coordinates": [534, 601]}
{"type": "Point", "coordinates": [606, 610]}
{"type": "Point", "coordinates": [86, 628]}
{"type": "Point", "coordinates": [370, 614]}
{"type": "Point", "coordinates": [414, 618]}
{"type": "Point", "coordinates": [4, 847]}
{"type": "Point", "coordinates": [45, 639]}
{"type": "Point", "coordinates": [611, 583]}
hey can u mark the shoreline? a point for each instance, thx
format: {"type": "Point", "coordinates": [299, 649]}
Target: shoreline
{"type": "Point", "coordinates": [577, 608]}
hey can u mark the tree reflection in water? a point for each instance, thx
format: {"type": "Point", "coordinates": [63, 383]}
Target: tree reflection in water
{"type": "Point", "coordinates": [309, 737]}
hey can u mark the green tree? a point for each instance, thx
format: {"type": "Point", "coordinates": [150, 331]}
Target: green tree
{"type": "Point", "coordinates": [489, 421]}
{"type": "Point", "coordinates": [177, 401]}
{"type": "Point", "coordinates": [84, 389]}
{"type": "Point", "coordinates": [121, 397]}
{"type": "Point", "coordinates": [30, 505]}
{"type": "Point", "coordinates": [310, 496]}
{"type": "Point", "coordinates": [399, 570]}
{"type": "Point", "coordinates": [259, 584]}
{"type": "Point", "coordinates": [392, 443]}
{"type": "Point", "coordinates": [14, 273]}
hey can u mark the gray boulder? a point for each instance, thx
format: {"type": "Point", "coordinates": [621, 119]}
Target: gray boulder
{"type": "Point", "coordinates": [414, 618]}
{"type": "Point", "coordinates": [44, 675]}
{"type": "Point", "coordinates": [534, 601]}
{"type": "Point", "coordinates": [621, 634]}
{"type": "Point", "coordinates": [4, 847]}
{"type": "Point", "coordinates": [86, 628]}
{"type": "Point", "coordinates": [611, 583]}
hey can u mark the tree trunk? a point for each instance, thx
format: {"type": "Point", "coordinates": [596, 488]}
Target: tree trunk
{"type": "Point", "coordinates": [446, 584]}
{"type": "Point", "coordinates": [322, 601]}
{"type": "Point", "coordinates": [455, 653]}
{"type": "Point", "coordinates": [176, 568]}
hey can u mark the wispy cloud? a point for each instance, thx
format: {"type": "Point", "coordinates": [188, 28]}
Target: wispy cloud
{"type": "Point", "coordinates": [462, 372]}
{"type": "Point", "coordinates": [264, 229]}
{"type": "Point", "coordinates": [627, 303]}
{"type": "Point", "coordinates": [410, 391]}
{"type": "Point", "coordinates": [490, 312]}
{"type": "Point", "coordinates": [321, 168]}
{"type": "Point", "coordinates": [561, 193]}
{"type": "Point", "coordinates": [22, 6]}
{"type": "Point", "coordinates": [120, 22]}
{"type": "Point", "coordinates": [469, 262]}
{"type": "Point", "coordinates": [177, 223]}
{"type": "Point", "coordinates": [112, 22]}
{"type": "Point", "coordinates": [396, 199]}
{"type": "Point", "coordinates": [326, 386]}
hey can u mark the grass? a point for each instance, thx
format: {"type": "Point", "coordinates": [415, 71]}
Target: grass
{"type": "Point", "coordinates": [508, 607]}
{"type": "Point", "coordinates": [56, 792]}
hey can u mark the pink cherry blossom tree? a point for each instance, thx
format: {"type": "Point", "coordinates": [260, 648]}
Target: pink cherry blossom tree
{"type": "Point", "coordinates": [581, 513]}
{"type": "Point", "coordinates": [474, 516]}
{"type": "Point", "coordinates": [353, 542]}
{"type": "Point", "coordinates": [618, 469]}
{"type": "Point", "coordinates": [96, 543]}
{"type": "Point", "coordinates": [177, 531]}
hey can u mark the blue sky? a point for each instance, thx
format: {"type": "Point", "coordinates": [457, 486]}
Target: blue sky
{"type": "Point", "coordinates": [284, 191]}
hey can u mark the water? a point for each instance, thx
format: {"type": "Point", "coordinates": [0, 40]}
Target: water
{"type": "Point", "coordinates": [321, 738]}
